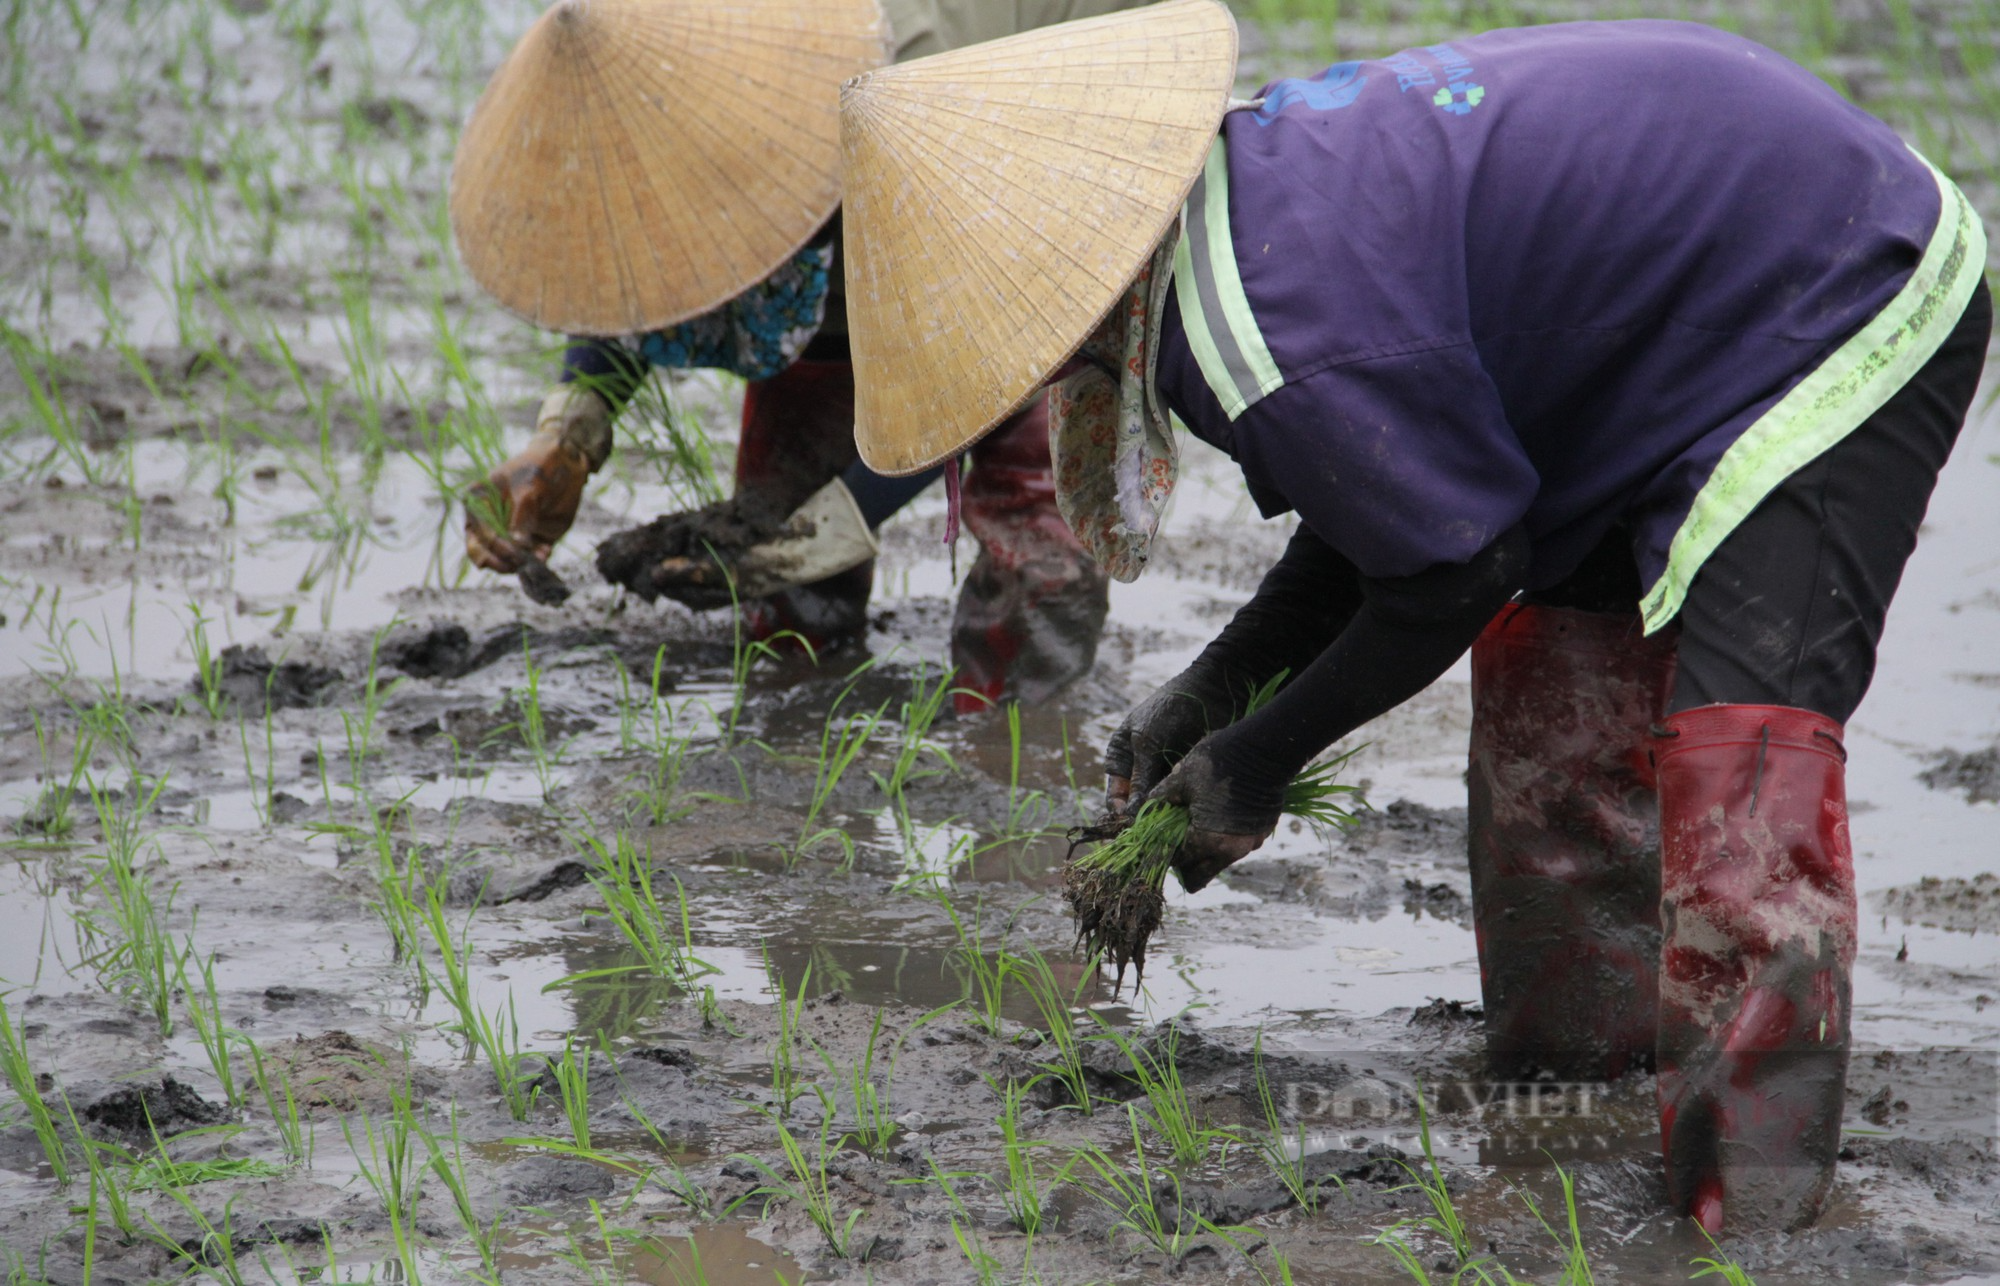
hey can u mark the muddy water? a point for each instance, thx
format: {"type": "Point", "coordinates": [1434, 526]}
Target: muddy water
{"type": "Point", "coordinates": [1351, 954]}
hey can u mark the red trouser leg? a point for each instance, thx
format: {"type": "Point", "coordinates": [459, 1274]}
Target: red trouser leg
{"type": "Point", "coordinates": [798, 435]}
{"type": "Point", "coordinates": [1032, 608]}
{"type": "Point", "coordinates": [1563, 839]}
{"type": "Point", "coordinates": [1758, 916]}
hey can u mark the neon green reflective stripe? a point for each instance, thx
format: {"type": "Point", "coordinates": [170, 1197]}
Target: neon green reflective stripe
{"type": "Point", "coordinates": [1831, 402]}
{"type": "Point", "coordinates": [1221, 329]}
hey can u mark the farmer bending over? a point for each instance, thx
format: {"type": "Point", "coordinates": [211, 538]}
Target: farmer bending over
{"type": "Point", "coordinates": [1624, 354]}
{"type": "Point", "coordinates": [659, 179]}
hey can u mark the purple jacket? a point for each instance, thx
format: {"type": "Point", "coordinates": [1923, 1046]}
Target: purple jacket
{"type": "Point", "coordinates": [1565, 276]}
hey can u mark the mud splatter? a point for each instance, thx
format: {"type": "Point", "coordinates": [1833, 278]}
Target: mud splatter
{"type": "Point", "coordinates": [1976, 773]}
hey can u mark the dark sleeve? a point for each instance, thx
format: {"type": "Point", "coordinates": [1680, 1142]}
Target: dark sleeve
{"type": "Point", "coordinates": [1407, 631]}
{"type": "Point", "coordinates": [1303, 602]}
{"type": "Point", "coordinates": [878, 495]}
{"type": "Point", "coordinates": [605, 366]}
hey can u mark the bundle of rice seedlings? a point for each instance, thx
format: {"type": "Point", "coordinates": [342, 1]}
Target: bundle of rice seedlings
{"type": "Point", "coordinates": [1117, 890]}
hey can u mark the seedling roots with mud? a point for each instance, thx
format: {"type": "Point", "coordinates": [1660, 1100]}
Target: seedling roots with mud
{"type": "Point", "coordinates": [1117, 890]}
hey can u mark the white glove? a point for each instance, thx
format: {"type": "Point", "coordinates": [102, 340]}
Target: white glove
{"type": "Point", "coordinates": [824, 536]}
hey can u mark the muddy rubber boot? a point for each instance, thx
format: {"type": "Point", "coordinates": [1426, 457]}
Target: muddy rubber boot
{"type": "Point", "coordinates": [1032, 607]}
{"type": "Point", "coordinates": [798, 435]}
{"type": "Point", "coordinates": [1563, 839]}
{"type": "Point", "coordinates": [1758, 915]}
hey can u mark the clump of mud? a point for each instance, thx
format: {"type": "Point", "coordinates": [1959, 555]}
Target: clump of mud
{"type": "Point", "coordinates": [542, 585]}
{"type": "Point", "coordinates": [247, 678]}
{"type": "Point", "coordinates": [1977, 774]}
{"type": "Point", "coordinates": [682, 555]}
{"type": "Point", "coordinates": [342, 1073]}
{"type": "Point", "coordinates": [141, 1112]}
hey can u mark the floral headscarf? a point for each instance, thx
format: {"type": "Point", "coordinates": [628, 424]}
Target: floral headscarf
{"type": "Point", "coordinates": [1112, 445]}
{"type": "Point", "coordinates": [758, 333]}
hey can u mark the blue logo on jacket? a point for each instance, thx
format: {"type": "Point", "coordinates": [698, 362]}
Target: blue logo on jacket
{"type": "Point", "coordinates": [1336, 87]}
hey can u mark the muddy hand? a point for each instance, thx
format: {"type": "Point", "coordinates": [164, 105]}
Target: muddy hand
{"type": "Point", "coordinates": [1158, 731]}
{"type": "Point", "coordinates": [535, 495]}
{"type": "Point", "coordinates": [1223, 830]}
{"type": "Point", "coordinates": [527, 504]}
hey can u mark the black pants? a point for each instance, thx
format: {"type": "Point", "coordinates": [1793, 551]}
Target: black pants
{"type": "Point", "coordinates": [1789, 608]}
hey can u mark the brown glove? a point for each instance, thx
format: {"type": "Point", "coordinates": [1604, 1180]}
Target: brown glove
{"type": "Point", "coordinates": [536, 493]}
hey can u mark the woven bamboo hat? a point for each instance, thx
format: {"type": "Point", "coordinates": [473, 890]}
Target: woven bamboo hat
{"type": "Point", "coordinates": [1000, 198]}
{"type": "Point", "coordinates": [635, 163]}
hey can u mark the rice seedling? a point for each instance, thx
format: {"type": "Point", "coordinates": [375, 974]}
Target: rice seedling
{"type": "Point", "coordinates": [744, 653]}
{"type": "Point", "coordinates": [713, 1017]}
{"type": "Point", "coordinates": [392, 1168]}
{"type": "Point", "coordinates": [496, 1035]}
{"type": "Point", "coordinates": [915, 717]}
{"type": "Point", "coordinates": [263, 787]}
{"type": "Point", "coordinates": [18, 1271]}
{"type": "Point", "coordinates": [1023, 1189]}
{"type": "Point", "coordinates": [1429, 1181]}
{"type": "Point", "coordinates": [648, 727]}
{"type": "Point", "coordinates": [1170, 1106]}
{"type": "Point", "coordinates": [532, 727]}
{"type": "Point", "coordinates": [449, 1168]}
{"type": "Point", "coordinates": [874, 1114]}
{"type": "Point", "coordinates": [1134, 1196]}
{"type": "Point", "coordinates": [160, 1172]}
{"type": "Point", "coordinates": [661, 936]}
{"type": "Point", "coordinates": [138, 957]}
{"type": "Point", "coordinates": [204, 1011]}
{"type": "Point", "coordinates": [360, 726]}
{"type": "Point", "coordinates": [21, 1078]}
{"type": "Point", "coordinates": [399, 877]}
{"type": "Point", "coordinates": [208, 668]}
{"type": "Point", "coordinates": [981, 978]}
{"type": "Point", "coordinates": [110, 1170]}
{"type": "Point", "coordinates": [986, 1266]}
{"type": "Point", "coordinates": [1283, 1150]}
{"type": "Point", "coordinates": [1719, 1264]}
{"type": "Point", "coordinates": [1117, 890]}
{"type": "Point", "coordinates": [52, 815]}
{"type": "Point", "coordinates": [1569, 1238]}
{"type": "Point", "coordinates": [572, 1077]}
{"type": "Point", "coordinates": [295, 1134]}
{"type": "Point", "coordinates": [213, 1250]}
{"type": "Point", "coordinates": [1058, 1007]}
{"type": "Point", "coordinates": [1029, 812]}
{"type": "Point", "coordinates": [787, 1087]}
{"type": "Point", "coordinates": [807, 1181]}
{"type": "Point", "coordinates": [677, 1182]}
{"type": "Point", "coordinates": [841, 742]}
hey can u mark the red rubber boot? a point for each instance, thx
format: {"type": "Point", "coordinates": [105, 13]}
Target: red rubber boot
{"type": "Point", "coordinates": [1563, 839]}
{"type": "Point", "coordinates": [1032, 608]}
{"type": "Point", "coordinates": [798, 435]}
{"type": "Point", "coordinates": [1758, 914]}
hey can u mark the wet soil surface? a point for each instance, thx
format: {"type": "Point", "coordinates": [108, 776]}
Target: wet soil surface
{"type": "Point", "coordinates": [244, 590]}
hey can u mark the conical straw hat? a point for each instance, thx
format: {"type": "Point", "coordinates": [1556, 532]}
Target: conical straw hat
{"type": "Point", "coordinates": [637, 162]}
{"type": "Point", "coordinates": [1000, 198]}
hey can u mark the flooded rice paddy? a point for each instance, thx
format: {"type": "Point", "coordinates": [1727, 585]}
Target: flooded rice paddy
{"type": "Point", "coordinates": [514, 943]}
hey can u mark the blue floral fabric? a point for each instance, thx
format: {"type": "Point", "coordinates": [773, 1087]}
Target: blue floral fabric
{"type": "Point", "coordinates": [758, 333]}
